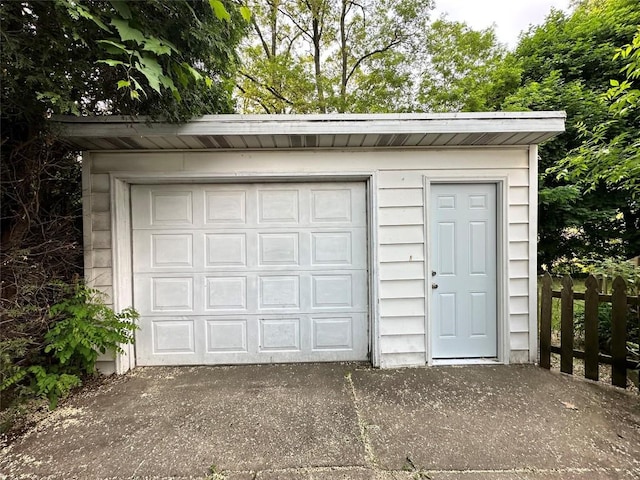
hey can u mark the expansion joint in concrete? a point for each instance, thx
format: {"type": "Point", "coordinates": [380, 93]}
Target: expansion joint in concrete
{"type": "Point", "coordinates": [369, 456]}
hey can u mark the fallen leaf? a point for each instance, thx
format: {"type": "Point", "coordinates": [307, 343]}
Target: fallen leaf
{"type": "Point", "coordinates": [569, 405]}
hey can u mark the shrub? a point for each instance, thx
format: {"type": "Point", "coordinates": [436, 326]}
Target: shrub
{"type": "Point", "coordinates": [82, 327]}
{"type": "Point", "coordinates": [611, 268]}
{"type": "Point", "coordinates": [604, 269]}
{"type": "Point", "coordinates": [604, 328]}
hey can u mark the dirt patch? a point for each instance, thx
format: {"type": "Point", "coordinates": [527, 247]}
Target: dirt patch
{"type": "Point", "coordinates": [604, 372]}
{"type": "Point", "coordinates": [34, 414]}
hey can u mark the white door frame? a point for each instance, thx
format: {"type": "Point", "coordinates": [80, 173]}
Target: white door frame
{"type": "Point", "coordinates": [122, 256]}
{"type": "Point", "coordinates": [502, 287]}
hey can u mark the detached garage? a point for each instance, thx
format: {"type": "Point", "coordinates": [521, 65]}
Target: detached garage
{"type": "Point", "coordinates": [400, 239]}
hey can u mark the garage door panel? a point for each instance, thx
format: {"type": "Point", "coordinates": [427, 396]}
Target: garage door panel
{"type": "Point", "coordinates": [254, 273]}
{"type": "Point", "coordinates": [278, 206]}
{"type": "Point", "coordinates": [278, 249]}
{"type": "Point", "coordinates": [171, 250]}
{"type": "Point", "coordinates": [226, 293]}
{"type": "Point", "coordinates": [225, 207]}
{"type": "Point", "coordinates": [343, 249]}
{"type": "Point", "coordinates": [225, 250]}
{"type": "Point", "coordinates": [331, 205]}
{"type": "Point", "coordinates": [160, 250]}
{"type": "Point", "coordinates": [279, 335]}
{"type": "Point", "coordinates": [230, 292]}
{"type": "Point", "coordinates": [330, 291]}
{"type": "Point", "coordinates": [167, 250]}
{"type": "Point", "coordinates": [166, 294]}
{"type": "Point", "coordinates": [331, 248]}
{"type": "Point", "coordinates": [278, 292]}
{"type": "Point", "coordinates": [338, 290]}
{"type": "Point", "coordinates": [202, 340]}
{"type": "Point", "coordinates": [334, 333]}
{"type": "Point", "coordinates": [171, 206]}
{"type": "Point", "coordinates": [173, 336]}
{"type": "Point", "coordinates": [227, 336]}
{"type": "Point", "coordinates": [198, 251]}
{"type": "Point", "coordinates": [171, 294]}
{"type": "Point", "coordinates": [253, 339]}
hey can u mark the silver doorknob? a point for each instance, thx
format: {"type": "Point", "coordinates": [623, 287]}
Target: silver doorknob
{"type": "Point", "coordinates": [434, 285]}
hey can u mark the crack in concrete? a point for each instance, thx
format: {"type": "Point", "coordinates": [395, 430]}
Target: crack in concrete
{"type": "Point", "coordinates": [423, 473]}
{"type": "Point", "coordinates": [343, 468]}
{"type": "Point", "coordinates": [526, 470]}
{"type": "Point", "coordinates": [369, 456]}
{"type": "Point", "coordinates": [380, 472]}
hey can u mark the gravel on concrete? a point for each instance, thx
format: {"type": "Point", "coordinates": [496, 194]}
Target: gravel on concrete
{"type": "Point", "coordinates": [335, 421]}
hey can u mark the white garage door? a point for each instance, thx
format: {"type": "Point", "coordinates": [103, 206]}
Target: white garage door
{"type": "Point", "coordinates": [252, 273]}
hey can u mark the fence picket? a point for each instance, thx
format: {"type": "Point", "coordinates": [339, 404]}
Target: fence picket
{"type": "Point", "coordinates": [566, 326]}
{"type": "Point", "coordinates": [591, 341]}
{"type": "Point", "coordinates": [619, 333]}
{"type": "Point", "coordinates": [620, 303]}
{"type": "Point", "coordinates": [545, 322]}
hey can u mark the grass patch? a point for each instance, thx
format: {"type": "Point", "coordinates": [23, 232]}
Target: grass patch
{"type": "Point", "coordinates": [578, 305]}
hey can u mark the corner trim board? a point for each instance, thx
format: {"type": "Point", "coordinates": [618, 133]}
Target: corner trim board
{"type": "Point", "coordinates": [533, 253]}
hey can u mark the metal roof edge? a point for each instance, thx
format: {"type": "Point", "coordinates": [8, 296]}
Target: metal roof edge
{"type": "Point", "coordinates": [491, 122]}
{"type": "Point", "coordinates": [338, 117]}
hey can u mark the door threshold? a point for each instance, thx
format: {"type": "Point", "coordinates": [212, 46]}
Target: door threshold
{"type": "Point", "coordinates": [465, 361]}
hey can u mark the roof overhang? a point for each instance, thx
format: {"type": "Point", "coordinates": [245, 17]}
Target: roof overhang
{"type": "Point", "coordinates": [255, 132]}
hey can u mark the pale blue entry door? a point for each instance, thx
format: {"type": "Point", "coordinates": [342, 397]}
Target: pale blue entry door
{"type": "Point", "coordinates": [463, 278]}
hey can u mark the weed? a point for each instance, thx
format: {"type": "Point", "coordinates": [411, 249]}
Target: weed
{"type": "Point", "coordinates": [418, 473]}
{"type": "Point", "coordinates": [82, 327]}
{"type": "Point", "coordinates": [215, 474]}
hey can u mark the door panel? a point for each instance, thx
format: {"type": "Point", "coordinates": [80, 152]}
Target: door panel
{"type": "Point", "coordinates": [463, 257]}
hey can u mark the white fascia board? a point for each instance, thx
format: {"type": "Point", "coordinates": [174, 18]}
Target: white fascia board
{"type": "Point", "coordinates": [494, 122]}
{"type": "Point", "coordinates": [342, 117]}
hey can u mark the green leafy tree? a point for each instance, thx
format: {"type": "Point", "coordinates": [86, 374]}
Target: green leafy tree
{"type": "Point", "coordinates": [614, 162]}
{"type": "Point", "coordinates": [89, 57]}
{"type": "Point", "coordinates": [609, 157]}
{"type": "Point", "coordinates": [566, 65]}
{"type": "Point", "coordinates": [371, 56]}
{"type": "Point", "coordinates": [581, 44]}
{"type": "Point", "coordinates": [117, 56]}
{"type": "Point", "coordinates": [464, 69]}
{"type": "Point", "coordinates": [331, 55]}
{"type": "Point", "coordinates": [569, 220]}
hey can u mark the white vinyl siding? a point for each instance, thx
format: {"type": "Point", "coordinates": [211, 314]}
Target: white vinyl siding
{"type": "Point", "coordinates": [101, 274]}
{"type": "Point", "coordinates": [399, 233]}
{"type": "Point", "coordinates": [402, 262]}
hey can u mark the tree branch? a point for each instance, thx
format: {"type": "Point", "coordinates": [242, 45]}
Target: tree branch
{"type": "Point", "coordinates": [266, 109]}
{"type": "Point", "coordinates": [262, 40]}
{"type": "Point", "coordinates": [269, 88]}
{"type": "Point", "coordinates": [389, 46]}
{"type": "Point", "coordinates": [292, 41]}
{"type": "Point", "coordinates": [298, 26]}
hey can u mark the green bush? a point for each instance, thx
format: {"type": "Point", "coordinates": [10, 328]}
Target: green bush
{"type": "Point", "coordinates": [611, 268]}
{"type": "Point", "coordinates": [604, 325]}
{"type": "Point", "coordinates": [604, 328]}
{"type": "Point", "coordinates": [82, 327]}
{"type": "Point", "coordinates": [86, 328]}
{"type": "Point", "coordinates": [604, 269]}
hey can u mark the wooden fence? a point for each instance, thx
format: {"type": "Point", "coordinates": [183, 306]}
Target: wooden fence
{"type": "Point", "coordinates": [591, 354]}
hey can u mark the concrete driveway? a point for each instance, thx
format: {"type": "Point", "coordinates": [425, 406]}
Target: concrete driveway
{"type": "Point", "coordinates": [336, 421]}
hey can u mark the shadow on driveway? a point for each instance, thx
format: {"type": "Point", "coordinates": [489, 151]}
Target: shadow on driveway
{"type": "Point", "coordinates": [330, 421]}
